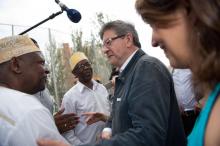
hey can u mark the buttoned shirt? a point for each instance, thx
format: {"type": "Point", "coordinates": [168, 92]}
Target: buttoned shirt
{"type": "Point", "coordinates": [80, 99]}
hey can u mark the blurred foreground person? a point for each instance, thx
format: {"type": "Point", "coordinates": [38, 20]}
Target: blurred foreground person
{"type": "Point", "coordinates": [23, 118]}
{"type": "Point", "coordinates": [189, 33]}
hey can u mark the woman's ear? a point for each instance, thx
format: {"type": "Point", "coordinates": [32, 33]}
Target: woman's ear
{"type": "Point", "coordinates": [187, 5]}
{"type": "Point", "coordinates": [189, 13]}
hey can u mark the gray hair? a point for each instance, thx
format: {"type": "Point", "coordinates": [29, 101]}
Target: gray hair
{"type": "Point", "coordinates": [120, 27]}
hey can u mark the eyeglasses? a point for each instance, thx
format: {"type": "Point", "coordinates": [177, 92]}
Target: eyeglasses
{"type": "Point", "coordinates": [87, 64]}
{"type": "Point", "coordinates": [81, 67]}
{"type": "Point", "coordinates": [108, 42]}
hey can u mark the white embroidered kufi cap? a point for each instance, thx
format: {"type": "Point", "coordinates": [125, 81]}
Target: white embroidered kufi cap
{"type": "Point", "coordinates": [15, 46]}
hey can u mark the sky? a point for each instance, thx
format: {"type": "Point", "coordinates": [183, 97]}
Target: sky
{"type": "Point", "coordinates": [29, 12]}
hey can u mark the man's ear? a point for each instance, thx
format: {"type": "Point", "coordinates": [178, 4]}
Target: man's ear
{"type": "Point", "coordinates": [15, 65]}
{"type": "Point", "coordinates": [74, 72]}
{"type": "Point", "coordinates": [129, 39]}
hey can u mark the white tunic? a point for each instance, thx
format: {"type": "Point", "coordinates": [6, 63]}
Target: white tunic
{"type": "Point", "coordinates": [24, 119]}
{"type": "Point", "coordinates": [80, 99]}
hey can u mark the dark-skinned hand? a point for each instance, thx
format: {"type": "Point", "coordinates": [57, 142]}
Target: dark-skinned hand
{"type": "Point", "coordinates": [93, 117]}
{"type": "Point", "coordinates": [65, 122]}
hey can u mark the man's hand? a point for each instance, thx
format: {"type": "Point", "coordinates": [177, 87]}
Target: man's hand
{"type": "Point", "coordinates": [93, 117]}
{"type": "Point", "coordinates": [44, 142]}
{"type": "Point", "coordinates": [106, 133]}
{"type": "Point", "coordinates": [65, 122]}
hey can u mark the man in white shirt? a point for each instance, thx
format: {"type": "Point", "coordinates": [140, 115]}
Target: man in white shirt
{"type": "Point", "coordinates": [185, 94]}
{"type": "Point", "coordinates": [23, 118]}
{"type": "Point", "coordinates": [46, 99]}
{"type": "Point", "coordinates": [88, 99]}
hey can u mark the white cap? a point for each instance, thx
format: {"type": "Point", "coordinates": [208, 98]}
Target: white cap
{"type": "Point", "coordinates": [15, 46]}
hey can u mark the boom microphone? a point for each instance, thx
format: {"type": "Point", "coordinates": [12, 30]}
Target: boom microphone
{"type": "Point", "coordinates": [72, 14]}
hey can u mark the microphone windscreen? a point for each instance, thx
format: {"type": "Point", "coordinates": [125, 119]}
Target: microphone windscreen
{"type": "Point", "coordinates": [73, 15]}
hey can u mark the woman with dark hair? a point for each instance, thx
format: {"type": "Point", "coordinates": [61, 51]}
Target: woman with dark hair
{"type": "Point", "coordinates": [189, 33]}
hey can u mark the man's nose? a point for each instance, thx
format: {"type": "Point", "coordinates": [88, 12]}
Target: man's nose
{"type": "Point", "coordinates": [104, 49]}
{"type": "Point", "coordinates": [86, 67]}
{"type": "Point", "coordinates": [46, 70]}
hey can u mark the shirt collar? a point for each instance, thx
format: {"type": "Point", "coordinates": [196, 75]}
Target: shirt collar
{"type": "Point", "coordinates": [82, 87]}
{"type": "Point", "coordinates": [127, 61]}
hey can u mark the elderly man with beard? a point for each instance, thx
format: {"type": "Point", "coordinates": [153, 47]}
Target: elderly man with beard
{"type": "Point", "coordinates": [88, 99]}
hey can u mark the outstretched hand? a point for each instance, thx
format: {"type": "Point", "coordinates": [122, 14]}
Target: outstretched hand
{"type": "Point", "coordinates": [44, 142]}
{"type": "Point", "coordinates": [93, 117]}
{"type": "Point", "coordinates": [65, 122]}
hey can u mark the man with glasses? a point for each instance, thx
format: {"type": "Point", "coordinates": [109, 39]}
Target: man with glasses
{"type": "Point", "coordinates": [145, 110]}
{"type": "Point", "coordinates": [88, 99]}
